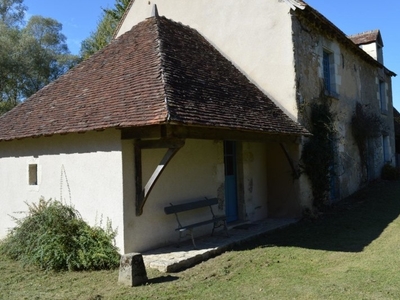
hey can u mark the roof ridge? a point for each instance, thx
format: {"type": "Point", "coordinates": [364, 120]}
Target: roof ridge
{"type": "Point", "coordinates": [364, 32]}
{"type": "Point", "coordinates": [162, 63]}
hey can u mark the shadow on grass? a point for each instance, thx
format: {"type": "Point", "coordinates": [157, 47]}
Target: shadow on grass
{"type": "Point", "coordinates": [348, 226]}
{"type": "Point", "coordinates": [162, 279]}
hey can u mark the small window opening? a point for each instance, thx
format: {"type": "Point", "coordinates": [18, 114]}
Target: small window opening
{"type": "Point", "coordinates": [327, 71]}
{"type": "Point", "coordinates": [382, 96]}
{"type": "Point", "coordinates": [33, 174]}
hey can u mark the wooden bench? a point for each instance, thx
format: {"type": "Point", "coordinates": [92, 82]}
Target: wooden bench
{"type": "Point", "coordinates": [216, 220]}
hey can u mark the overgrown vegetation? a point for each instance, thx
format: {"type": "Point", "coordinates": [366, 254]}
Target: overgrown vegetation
{"type": "Point", "coordinates": [318, 152]}
{"type": "Point", "coordinates": [364, 126]}
{"type": "Point", "coordinates": [53, 236]}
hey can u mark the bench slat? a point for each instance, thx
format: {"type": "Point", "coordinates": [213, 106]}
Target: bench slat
{"type": "Point", "coordinates": [191, 226]}
{"type": "Point", "coordinates": [190, 206]}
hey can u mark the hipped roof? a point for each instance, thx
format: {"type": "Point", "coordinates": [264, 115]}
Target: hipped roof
{"type": "Point", "coordinates": [160, 72]}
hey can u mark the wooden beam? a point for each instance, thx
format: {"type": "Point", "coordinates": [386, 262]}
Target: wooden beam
{"type": "Point", "coordinates": [295, 171]}
{"type": "Point", "coordinates": [161, 143]}
{"type": "Point", "coordinates": [207, 133]}
{"type": "Point", "coordinates": [138, 177]}
{"type": "Point", "coordinates": [142, 194]}
{"type": "Point", "coordinates": [229, 135]}
{"type": "Point", "coordinates": [152, 131]}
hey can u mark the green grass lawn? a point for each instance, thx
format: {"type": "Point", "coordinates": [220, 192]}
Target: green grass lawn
{"type": "Point", "coordinates": [351, 252]}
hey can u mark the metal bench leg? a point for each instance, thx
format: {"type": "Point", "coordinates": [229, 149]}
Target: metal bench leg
{"type": "Point", "coordinates": [226, 229]}
{"type": "Point", "coordinates": [179, 239]}
{"type": "Point", "coordinates": [191, 234]}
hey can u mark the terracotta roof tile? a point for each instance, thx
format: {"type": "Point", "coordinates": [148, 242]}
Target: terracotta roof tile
{"type": "Point", "coordinates": [159, 72]}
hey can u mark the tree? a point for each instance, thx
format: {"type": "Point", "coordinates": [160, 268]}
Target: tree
{"type": "Point", "coordinates": [10, 66]}
{"type": "Point", "coordinates": [46, 54]}
{"type": "Point", "coordinates": [30, 56]}
{"type": "Point", "coordinates": [105, 29]}
{"type": "Point", "coordinates": [12, 12]}
{"type": "Point", "coordinates": [100, 38]}
{"type": "Point", "coordinates": [119, 10]}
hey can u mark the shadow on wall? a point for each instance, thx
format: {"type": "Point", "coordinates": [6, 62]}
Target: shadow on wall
{"type": "Point", "coordinates": [89, 142]}
{"type": "Point", "coordinates": [349, 226]}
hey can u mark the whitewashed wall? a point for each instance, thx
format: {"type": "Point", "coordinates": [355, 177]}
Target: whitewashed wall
{"type": "Point", "coordinates": [82, 169]}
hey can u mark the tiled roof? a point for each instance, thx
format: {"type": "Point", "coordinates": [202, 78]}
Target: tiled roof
{"type": "Point", "coordinates": [159, 72]}
{"type": "Point", "coordinates": [366, 37]}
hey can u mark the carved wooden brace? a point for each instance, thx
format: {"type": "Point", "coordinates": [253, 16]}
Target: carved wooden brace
{"type": "Point", "coordinates": [173, 146]}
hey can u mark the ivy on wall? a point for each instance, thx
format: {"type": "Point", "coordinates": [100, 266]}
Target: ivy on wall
{"type": "Point", "coordinates": [318, 152]}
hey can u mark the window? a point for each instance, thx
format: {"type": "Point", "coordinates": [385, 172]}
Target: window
{"type": "Point", "coordinates": [328, 73]}
{"type": "Point", "coordinates": [386, 148]}
{"type": "Point", "coordinates": [382, 96]}
{"type": "Point", "coordinates": [33, 174]}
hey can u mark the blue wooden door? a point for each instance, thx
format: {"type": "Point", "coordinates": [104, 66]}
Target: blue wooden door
{"type": "Point", "coordinates": [231, 205]}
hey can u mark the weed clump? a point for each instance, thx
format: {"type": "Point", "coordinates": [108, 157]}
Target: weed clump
{"type": "Point", "coordinates": [53, 236]}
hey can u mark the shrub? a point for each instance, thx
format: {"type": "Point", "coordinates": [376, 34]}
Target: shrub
{"type": "Point", "coordinates": [390, 173]}
{"type": "Point", "coordinates": [53, 236]}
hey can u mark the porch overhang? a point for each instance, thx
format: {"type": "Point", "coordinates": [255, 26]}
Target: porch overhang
{"type": "Point", "coordinates": [207, 133]}
{"type": "Point", "coordinates": [172, 138]}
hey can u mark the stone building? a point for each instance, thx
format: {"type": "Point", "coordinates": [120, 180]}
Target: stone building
{"type": "Point", "coordinates": [212, 99]}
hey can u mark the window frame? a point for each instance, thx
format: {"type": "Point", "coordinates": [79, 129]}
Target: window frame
{"type": "Point", "coordinates": [329, 73]}
{"type": "Point", "coordinates": [33, 174]}
{"type": "Point", "coordinates": [383, 103]}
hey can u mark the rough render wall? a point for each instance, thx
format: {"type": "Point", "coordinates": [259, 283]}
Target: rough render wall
{"type": "Point", "coordinates": [287, 196]}
{"type": "Point", "coordinates": [196, 171]}
{"type": "Point", "coordinates": [356, 81]}
{"type": "Point", "coordinates": [254, 35]}
{"type": "Point", "coordinates": [82, 169]}
{"type": "Point", "coordinates": [255, 191]}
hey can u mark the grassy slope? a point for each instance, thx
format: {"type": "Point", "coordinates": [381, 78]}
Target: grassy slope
{"type": "Point", "coordinates": [349, 253]}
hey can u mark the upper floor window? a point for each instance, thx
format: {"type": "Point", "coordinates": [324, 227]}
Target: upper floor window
{"type": "Point", "coordinates": [329, 73]}
{"type": "Point", "coordinates": [382, 96]}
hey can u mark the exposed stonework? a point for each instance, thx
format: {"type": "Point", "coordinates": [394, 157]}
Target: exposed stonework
{"type": "Point", "coordinates": [132, 271]}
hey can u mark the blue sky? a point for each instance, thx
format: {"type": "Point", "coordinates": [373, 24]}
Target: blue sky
{"type": "Point", "coordinates": [80, 17]}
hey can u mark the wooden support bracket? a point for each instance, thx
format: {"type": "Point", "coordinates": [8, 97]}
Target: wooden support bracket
{"type": "Point", "coordinates": [295, 171]}
{"type": "Point", "coordinates": [142, 194]}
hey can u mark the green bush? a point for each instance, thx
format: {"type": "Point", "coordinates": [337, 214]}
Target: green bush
{"type": "Point", "coordinates": [53, 236]}
{"type": "Point", "coordinates": [390, 173]}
